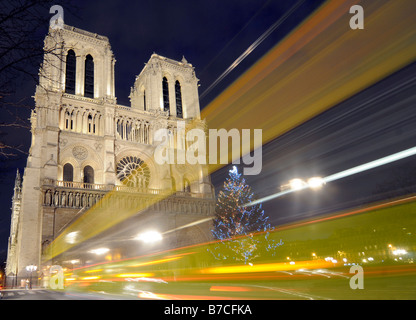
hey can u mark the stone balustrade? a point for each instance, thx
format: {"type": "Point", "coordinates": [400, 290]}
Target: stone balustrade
{"type": "Point", "coordinates": [68, 194]}
{"type": "Point", "coordinates": [81, 185]}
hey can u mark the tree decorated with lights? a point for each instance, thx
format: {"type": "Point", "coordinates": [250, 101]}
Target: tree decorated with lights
{"type": "Point", "coordinates": [236, 225]}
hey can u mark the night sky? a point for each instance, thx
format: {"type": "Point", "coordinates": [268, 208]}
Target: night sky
{"type": "Point", "coordinates": [211, 35]}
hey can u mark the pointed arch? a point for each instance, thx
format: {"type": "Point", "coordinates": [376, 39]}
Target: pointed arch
{"type": "Point", "coordinates": [88, 174]}
{"type": "Point", "coordinates": [68, 174]}
{"type": "Point", "coordinates": [178, 98]}
{"type": "Point", "coordinates": [89, 123]}
{"type": "Point", "coordinates": [186, 185]}
{"type": "Point", "coordinates": [70, 72]}
{"type": "Point", "coordinates": [94, 123]}
{"type": "Point", "coordinates": [165, 89]}
{"type": "Point", "coordinates": [71, 121]}
{"type": "Point", "coordinates": [67, 118]}
{"type": "Point", "coordinates": [89, 77]}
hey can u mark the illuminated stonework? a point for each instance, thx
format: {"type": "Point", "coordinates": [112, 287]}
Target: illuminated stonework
{"type": "Point", "coordinates": [86, 145]}
{"type": "Point", "coordinates": [133, 172]}
{"type": "Point", "coordinates": [80, 152]}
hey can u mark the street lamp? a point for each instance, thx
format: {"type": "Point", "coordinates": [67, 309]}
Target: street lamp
{"type": "Point", "coordinates": [296, 184]}
{"type": "Point", "coordinates": [30, 269]}
{"type": "Point", "coordinates": [299, 184]}
{"type": "Point", "coordinates": [316, 182]}
{"type": "Point", "coordinates": [149, 236]}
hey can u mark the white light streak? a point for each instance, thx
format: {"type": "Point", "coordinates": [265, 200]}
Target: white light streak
{"type": "Point", "coordinates": [253, 46]}
{"type": "Point", "coordinates": [100, 251]}
{"type": "Point", "coordinates": [189, 225]}
{"type": "Point", "coordinates": [149, 236]}
{"type": "Point", "coordinates": [372, 164]}
{"type": "Point", "coordinates": [346, 173]}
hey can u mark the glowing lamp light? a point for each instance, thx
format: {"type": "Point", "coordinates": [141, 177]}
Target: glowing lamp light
{"type": "Point", "coordinates": [100, 251]}
{"type": "Point", "coordinates": [316, 182]}
{"type": "Point", "coordinates": [296, 184]}
{"type": "Point", "coordinates": [149, 236]}
{"type": "Point", "coordinates": [71, 237]}
{"type": "Point", "coordinates": [234, 170]}
{"type": "Point", "coordinates": [399, 252]}
{"type": "Point", "coordinates": [31, 268]}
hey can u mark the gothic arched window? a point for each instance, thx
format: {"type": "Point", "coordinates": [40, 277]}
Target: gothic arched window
{"type": "Point", "coordinates": [68, 172]}
{"type": "Point", "coordinates": [88, 174]}
{"type": "Point", "coordinates": [178, 96]}
{"type": "Point", "coordinates": [89, 123]}
{"type": "Point", "coordinates": [165, 88]}
{"type": "Point", "coordinates": [144, 100]}
{"type": "Point", "coordinates": [96, 125]}
{"type": "Point", "coordinates": [128, 130]}
{"type": "Point", "coordinates": [89, 77]}
{"type": "Point", "coordinates": [67, 119]}
{"type": "Point", "coordinates": [70, 72]}
{"type": "Point", "coordinates": [186, 185]}
{"type": "Point", "coordinates": [72, 120]}
{"type": "Point", "coordinates": [118, 127]}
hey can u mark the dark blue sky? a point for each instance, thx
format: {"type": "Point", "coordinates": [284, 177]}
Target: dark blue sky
{"type": "Point", "coordinates": [211, 35]}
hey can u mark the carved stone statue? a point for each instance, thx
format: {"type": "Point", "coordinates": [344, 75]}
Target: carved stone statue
{"type": "Point", "coordinates": [63, 199]}
{"type": "Point", "coordinates": [70, 199]}
{"type": "Point", "coordinates": [56, 198]}
{"type": "Point", "coordinates": [48, 198]}
{"type": "Point", "coordinates": [77, 200]}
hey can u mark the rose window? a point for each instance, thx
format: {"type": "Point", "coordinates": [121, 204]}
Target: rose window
{"type": "Point", "coordinates": [133, 172]}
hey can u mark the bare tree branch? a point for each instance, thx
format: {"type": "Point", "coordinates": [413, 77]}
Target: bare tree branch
{"type": "Point", "coordinates": [23, 27]}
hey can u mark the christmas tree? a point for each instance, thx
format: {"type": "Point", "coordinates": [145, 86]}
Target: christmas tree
{"type": "Point", "coordinates": [235, 225]}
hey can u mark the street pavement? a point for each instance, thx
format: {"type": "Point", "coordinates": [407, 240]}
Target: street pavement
{"type": "Point", "coordinates": [45, 294]}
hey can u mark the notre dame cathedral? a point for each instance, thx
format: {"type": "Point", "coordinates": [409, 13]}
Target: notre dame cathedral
{"type": "Point", "coordinates": [85, 147]}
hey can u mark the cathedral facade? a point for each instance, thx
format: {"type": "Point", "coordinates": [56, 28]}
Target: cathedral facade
{"type": "Point", "coordinates": [85, 146]}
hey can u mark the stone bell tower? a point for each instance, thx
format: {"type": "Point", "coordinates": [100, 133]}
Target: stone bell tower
{"type": "Point", "coordinates": [78, 66]}
{"type": "Point", "coordinates": [85, 145]}
{"type": "Point", "coordinates": [176, 94]}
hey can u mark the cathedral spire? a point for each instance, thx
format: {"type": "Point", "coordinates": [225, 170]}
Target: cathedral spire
{"type": "Point", "coordinates": [17, 177]}
{"type": "Point", "coordinates": [17, 183]}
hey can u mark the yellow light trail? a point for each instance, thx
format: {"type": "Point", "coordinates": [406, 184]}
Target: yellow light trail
{"type": "Point", "coordinates": [313, 242]}
{"type": "Point", "coordinates": [90, 278]}
{"type": "Point", "coordinates": [269, 267]}
{"type": "Point", "coordinates": [230, 288]}
{"type": "Point", "coordinates": [134, 275]}
{"type": "Point", "coordinates": [93, 271]}
{"type": "Point", "coordinates": [318, 65]}
{"type": "Point", "coordinates": [141, 264]}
